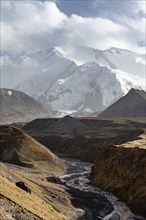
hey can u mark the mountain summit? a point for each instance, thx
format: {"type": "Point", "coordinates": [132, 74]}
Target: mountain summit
{"type": "Point", "coordinates": [79, 79]}
{"type": "Point", "coordinates": [133, 104]}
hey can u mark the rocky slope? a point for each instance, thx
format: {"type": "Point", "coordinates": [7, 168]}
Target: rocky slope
{"type": "Point", "coordinates": [133, 104]}
{"type": "Point", "coordinates": [46, 200]}
{"type": "Point", "coordinates": [16, 106]}
{"type": "Point", "coordinates": [65, 125]}
{"type": "Point", "coordinates": [82, 143]}
{"type": "Point", "coordinates": [16, 147]}
{"type": "Point", "coordinates": [122, 170]}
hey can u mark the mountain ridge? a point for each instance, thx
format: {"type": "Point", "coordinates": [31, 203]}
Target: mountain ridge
{"type": "Point", "coordinates": [79, 80]}
{"type": "Point", "coordinates": [133, 104]}
{"type": "Point", "coordinates": [16, 106]}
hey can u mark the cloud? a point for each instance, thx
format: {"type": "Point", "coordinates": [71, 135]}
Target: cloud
{"type": "Point", "coordinates": [95, 32]}
{"type": "Point", "coordinates": [25, 25]}
{"type": "Point", "coordinates": [33, 25]}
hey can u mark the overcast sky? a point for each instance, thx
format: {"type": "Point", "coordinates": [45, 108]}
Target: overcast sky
{"type": "Point", "coordinates": [33, 25]}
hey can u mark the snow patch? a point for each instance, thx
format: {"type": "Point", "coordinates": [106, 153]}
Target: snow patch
{"type": "Point", "coordinates": [61, 81]}
{"type": "Point", "coordinates": [129, 81]}
{"type": "Point", "coordinates": [88, 110]}
{"type": "Point", "coordinates": [64, 113]}
{"type": "Point", "coordinates": [10, 93]}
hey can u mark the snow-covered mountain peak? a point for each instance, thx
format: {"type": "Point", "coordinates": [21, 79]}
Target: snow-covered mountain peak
{"type": "Point", "coordinates": [117, 50]}
{"type": "Point", "coordinates": [114, 58]}
{"type": "Point", "coordinates": [52, 52]}
{"type": "Point", "coordinates": [75, 78]}
{"type": "Point", "coordinates": [46, 52]}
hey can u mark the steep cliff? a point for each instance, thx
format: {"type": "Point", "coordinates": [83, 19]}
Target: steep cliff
{"type": "Point", "coordinates": [122, 171]}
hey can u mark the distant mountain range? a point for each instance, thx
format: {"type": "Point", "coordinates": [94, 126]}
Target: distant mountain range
{"type": "Point", "coordinates": [133, 104]}
{"type": "Point", "coordinates": [16, 106]}
{"type": "Point", "coordinates": [78, 80]}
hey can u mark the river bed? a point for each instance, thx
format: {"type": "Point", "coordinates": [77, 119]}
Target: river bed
{"type": "Point", "coordinates": [102, 205]}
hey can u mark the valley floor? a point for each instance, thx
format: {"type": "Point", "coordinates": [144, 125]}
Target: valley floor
{"type": "Point", "coordinates": [70, 194]}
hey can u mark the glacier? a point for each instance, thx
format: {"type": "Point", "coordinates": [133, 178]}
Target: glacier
{"type": "Point", "coordinates": [75, 80]}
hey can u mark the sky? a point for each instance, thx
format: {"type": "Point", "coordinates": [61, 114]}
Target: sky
{"type": "Point", "coordinates": [30, 25]}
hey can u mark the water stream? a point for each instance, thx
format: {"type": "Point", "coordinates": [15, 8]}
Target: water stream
{"type": "Point", "coordinates": [102, 205]}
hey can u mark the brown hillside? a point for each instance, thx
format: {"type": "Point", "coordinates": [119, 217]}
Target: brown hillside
{"type": "Point", "coordinates": [85, 144]}
{"type": "Point", "coordinates": [17, 147]}
{"type": "Point", "coordinates": [122, 171]}
{"type": "Point", "coordinates": [46, 201]}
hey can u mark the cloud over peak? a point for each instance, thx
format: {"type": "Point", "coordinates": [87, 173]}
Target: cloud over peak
{"type": "Point", "coordinates": [33, 25]}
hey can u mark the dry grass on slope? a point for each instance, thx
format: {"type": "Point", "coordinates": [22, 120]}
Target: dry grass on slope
{"type": "Point", "coordinates": [40, 201]}
{"type": "Point", "coordinates": [31, 202]}
{"type": "Point", "coordinates": [140, 142]}
{"type": "Point", "coordinates": [17, 147]}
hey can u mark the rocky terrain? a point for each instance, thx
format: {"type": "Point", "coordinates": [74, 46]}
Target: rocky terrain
{"type": "Point", "coordinates": [25, 168]}
{"type": "Point", "coordinates": [30, 172]}
{"type": "Point", "coordinates": [84, 144]}
{"type": "Point", "coordinates": [133, 104]}
{"type": "Point", "coordinates": [117, 147]}
{"type": "Point", "coordinates": [16, 106]}
{"type": "Point", "coordinates": [122, 170]}
{"type": "Point", "coordinates": [65, 125]}
{"type": "Point", "coordinates": [45, 200]}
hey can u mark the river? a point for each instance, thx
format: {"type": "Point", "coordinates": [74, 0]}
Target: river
{"type": "Point", "coordinates": [95, 204]}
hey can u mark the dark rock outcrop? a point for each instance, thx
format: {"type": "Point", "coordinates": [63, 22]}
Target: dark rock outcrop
{"type": "Point", "coordinates": [22, 185]}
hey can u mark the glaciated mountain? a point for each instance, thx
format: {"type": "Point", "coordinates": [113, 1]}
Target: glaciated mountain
{"type": "Point", "coordinates": [128, 66]}
{"type": "Point", "coordinates": [114, 58]}
{"type": "Point", "coordinates": [16, 106]}
{"type": "Point", "coordinates": [17, 69]}
{"type": "Point", "coordinates": [53, 67]}
{"type": "Point", "coordinates": [84, 90]}
{"type": "Point", "coordinates": [80, 80]}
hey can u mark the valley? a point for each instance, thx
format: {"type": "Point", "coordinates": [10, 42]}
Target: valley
{"type": "Point", "coordinates": [73, 135]}
{"type": "Point", "coordinates": [108, 156]}
{"type": "Point", "coordinates": [73, 110]}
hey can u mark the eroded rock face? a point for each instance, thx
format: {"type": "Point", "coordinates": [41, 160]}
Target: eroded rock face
{"type": "Point", "coordinates": [122, 171]}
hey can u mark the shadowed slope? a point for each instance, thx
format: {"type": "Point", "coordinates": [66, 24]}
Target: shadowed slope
{"type": "Point", "coordinates": [17, 147]}
{"type": "Point", "coordinates": [83, 145]}
{"type": "Point", "coordinates": [16, 106]}
{"type": "Point", "coordinates": [122, 171]}
{"type": "Point", "coordinates": [133, 104]}
{"type": "Point", "coordinates": [65, 125]}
